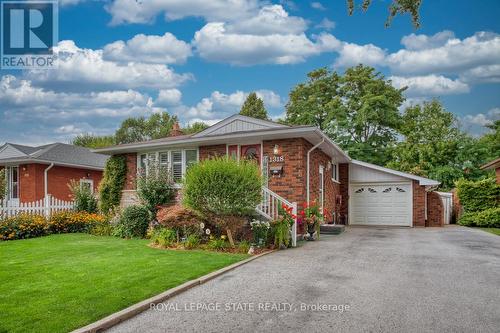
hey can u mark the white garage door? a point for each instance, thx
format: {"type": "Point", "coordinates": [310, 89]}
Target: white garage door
{"type": "Point", "coordinates": [381, 204]}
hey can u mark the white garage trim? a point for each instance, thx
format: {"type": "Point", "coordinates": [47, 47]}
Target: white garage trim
{"type": "Point", "coordinates": [352, 216]}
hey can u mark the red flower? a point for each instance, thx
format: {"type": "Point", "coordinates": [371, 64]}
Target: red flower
{"type": "Point", "coordinates": [294, 216]}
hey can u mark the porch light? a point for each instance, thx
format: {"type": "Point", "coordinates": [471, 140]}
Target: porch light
{"type": "Point", "coordinates": [276, 150]}
{"type": "Point", "coordinates": [329, 165]}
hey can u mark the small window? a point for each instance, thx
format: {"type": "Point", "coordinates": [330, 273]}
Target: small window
{"type": "Point", "coordinates": [177, 165]}
{"type": "Point", "coordinates": [335, 172]}
{"type": "Point", "coordinates": [191, 157]}
{"type": "Point", "coordinates": [87, 183]}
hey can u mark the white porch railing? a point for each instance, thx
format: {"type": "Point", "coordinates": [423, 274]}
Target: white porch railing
{"type": "Point", "coordinates": [269, 208]}
{"type": "Point", "coordinates": [47, 206]}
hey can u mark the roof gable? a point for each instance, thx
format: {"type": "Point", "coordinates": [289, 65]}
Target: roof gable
{"type": "Point", "coordinates": [238, 123]}
{"type": "Point", "coordinates": [9, 151]}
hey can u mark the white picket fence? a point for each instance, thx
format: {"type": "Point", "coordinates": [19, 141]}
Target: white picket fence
{"type": "Point", "coordinates": [47, 206]}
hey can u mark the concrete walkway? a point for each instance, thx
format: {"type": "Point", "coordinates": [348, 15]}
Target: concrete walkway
{"type": "Point", "coordinates": [392, 280]}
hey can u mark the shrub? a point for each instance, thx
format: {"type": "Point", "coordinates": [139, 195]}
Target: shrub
{"type": "Point", "coordinates": [183, 220]}
{"type": "Point", "coordinates": [110, 190]}
{"type": "Point", "coordinates": [192, 241]}
{"type": "Point", "coordinates": [68, 222]}
{"type": "Point", "coordinates": [85, 201]}
{"type": "Point", "coordinates": [478, 196]}
{"type": "Point", "coordinates": [102, 228]}
{"type": "Point", "coordinates": [223, 187]}
{"type": "Point", "coordinates": [243, 246]}
{"type": "Point", "coordinates": [259, 231]}
{"type": "Point", "coordinates": [218, 244]}
{"type": "Point", "coordinates": [133, 222]}
{"type": "Point", "coordinates": [23, 226]}
{"type": "Point", "coordinates": [155, 187]}
{"type": "Point", "coordinates": [163, 237]}
{"type": "Point", "coordinates": [486, 218]}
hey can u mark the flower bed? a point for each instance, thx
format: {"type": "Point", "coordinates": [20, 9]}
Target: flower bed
{"type": "Point", "coordinates": [29, 226]}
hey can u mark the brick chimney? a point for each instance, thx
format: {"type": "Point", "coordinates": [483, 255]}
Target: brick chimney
{"type": "Point", "coordinates": [176, 129]}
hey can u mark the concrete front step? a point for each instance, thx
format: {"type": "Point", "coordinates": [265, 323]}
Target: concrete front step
{"type": "Point", "coordinates": [332, 229]}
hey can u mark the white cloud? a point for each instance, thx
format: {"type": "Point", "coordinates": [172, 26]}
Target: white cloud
{"type": "Point", "coordinates": [475, 124]}
{"type": "Point", "coordinates": [82, 68]}
{"type": "Point", "coordinates": [270, 20]}
{"type": "Point", "coordinates": [429, 85]}
{"type": "Point", "coordinates": [220, 105]}
{"type": "Point", "coordinates": [453, 56]}
{"type": "Point", "coordinates": [317, 5]}
{"type": "Point", "coordinates": [487, 73]}
{"type": "Point", "coordinates": [424, 42]}
{"type": "Point", "coordinates": [214, 43]}
{"type": "Point", "coordinates": [354, 54]}
{"type": "Point", "coordinates": [166, 49]}
{"type": "Point", "coordinates": [133, 11]}
{"type": "Point", "coordinates": [19, 99]}
{"type": "Point", "coordinates": [168, 97]}
{"type": "Point", "coordinates": [325, 24]}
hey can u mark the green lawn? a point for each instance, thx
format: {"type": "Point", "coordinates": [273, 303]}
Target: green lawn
{"type": "Point", "coordinates": [62, 282]}
{"type": "Point", "coordinates": [495, 231]}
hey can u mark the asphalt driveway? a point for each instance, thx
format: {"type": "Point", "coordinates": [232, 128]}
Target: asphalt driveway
{"type": "Point", "coordinates": [365, 280]}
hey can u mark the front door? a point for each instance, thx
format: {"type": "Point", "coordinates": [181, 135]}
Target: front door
{"type": "Point", "coordinates": [251, 152]}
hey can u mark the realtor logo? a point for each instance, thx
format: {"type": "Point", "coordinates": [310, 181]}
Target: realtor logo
{"type": "Point", "coordinates": [28, 31]}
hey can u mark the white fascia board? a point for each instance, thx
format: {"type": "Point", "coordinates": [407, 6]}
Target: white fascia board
{"type": "Point", "coordinates": [34, 160]}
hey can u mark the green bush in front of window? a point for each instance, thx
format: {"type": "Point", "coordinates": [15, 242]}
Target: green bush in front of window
{"type": "Point", "coordinates": [155, 187]}
{"type": "Point", "coordinates": [84, 199]}
{"type": "Point", "coordinates": [223, 187]}
{"type": "Point", "coordinates": [110, 189]}
{"type": "Point", "coordinates": [133, 222]}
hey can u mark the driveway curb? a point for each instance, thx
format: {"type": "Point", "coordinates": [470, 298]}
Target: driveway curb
{"type": "Point", "coordinates": [137, 308]}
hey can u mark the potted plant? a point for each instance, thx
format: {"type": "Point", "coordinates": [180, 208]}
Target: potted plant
{"type": "Point", "coordinates": [311, 216]}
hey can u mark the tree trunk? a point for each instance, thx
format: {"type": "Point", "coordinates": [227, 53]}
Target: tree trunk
{"type": "Point", "coordinates": [230, 237]}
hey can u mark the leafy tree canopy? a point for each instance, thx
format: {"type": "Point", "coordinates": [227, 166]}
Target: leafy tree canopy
{"type": "Point", "coordinates": [434, 146]}
{"type": "Point", "coordinates": [358, 110]}
{"type": "Point", "coordinates": [93, 141]}
{"type": "Point", "coordinates": [195, 127]}
{"type": "Point", "coordinates": [156, 126]}
{"type": "Point", "coordinates": [254, 107]}
{"type": "Point", "coordinates": [397, 7]}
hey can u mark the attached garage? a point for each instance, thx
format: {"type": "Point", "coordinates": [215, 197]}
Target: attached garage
{"type": "Point", "coordinates": [382, 204]}
{"type": "Point", "coordinates": [385, 197]}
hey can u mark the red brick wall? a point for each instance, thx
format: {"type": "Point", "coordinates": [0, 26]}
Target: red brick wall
{"type": "Point", "coordinates": [497, 171]}
{"type": "Point", "coordinates": [418, 205]}
{"type": "Point", "coordinates": [32, 177]}
{"type": "Point", "coordinates": [212, 151]}
{"type": "Point", "coordinates": [130, 181]}
{"type": "Point", "coordinates": [344, 191]}
{"type": "Point", "coordinates": [435, 210]}
{"type": "Point", "coordinates": [291, 184]}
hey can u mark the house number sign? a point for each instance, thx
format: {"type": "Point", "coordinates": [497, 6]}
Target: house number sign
{"type": "Point", "coordinates": [277, 159]}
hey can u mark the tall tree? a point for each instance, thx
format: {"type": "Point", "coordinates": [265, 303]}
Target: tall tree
{"type": "Point", "coordinates": [397, 7]}
{"type": "Point", "coordinates": [358, 110]}
{"type": "Point", "coordinates": [93, 141]}
{"type": "Point", "coordinates": [434, 146]}
{"type": "Point", "coordinates": [491, 140]}
{"type": "Point", "coordinates": [254, 107]}
{"type": "Point", "coordinates": [3, 183]}
{"type": "Point", "coordinates": [156, 126]}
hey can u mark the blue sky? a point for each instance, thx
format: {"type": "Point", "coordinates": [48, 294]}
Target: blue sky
{"type": "Point", "coordinates": [199, 59]}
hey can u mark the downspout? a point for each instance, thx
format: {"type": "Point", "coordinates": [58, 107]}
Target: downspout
{"type": "Point", "coordinates": [46, 177]}
{"type": "Point", "coordinates": [308, 168]}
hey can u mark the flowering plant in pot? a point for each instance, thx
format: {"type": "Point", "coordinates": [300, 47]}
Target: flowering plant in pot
{"type": "Point", "coordinates": [282, 226]}
{"type": "Point", "coordinates": [259, 230]}
{"type": "Point", "coordinates": [312, 216]}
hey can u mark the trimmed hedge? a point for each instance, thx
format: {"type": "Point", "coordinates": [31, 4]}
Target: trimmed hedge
{"type": "Point", "coordinates": [223, 187]}
{"type": "Point", "coordinates": [487, 218]}
{"type": "Point", "coordinates": [478, 196]}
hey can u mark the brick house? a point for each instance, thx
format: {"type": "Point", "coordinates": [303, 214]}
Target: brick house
{"type": "Point", "coordinates": [35, 172]}
{"type": "Point", "coordinates": [300, 164]}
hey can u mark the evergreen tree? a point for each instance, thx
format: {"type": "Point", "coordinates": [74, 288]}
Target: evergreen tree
{"type": "Point", "coordinates": [254, 107]}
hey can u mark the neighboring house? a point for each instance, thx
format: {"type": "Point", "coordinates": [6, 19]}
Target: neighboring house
{"type": "Point", "coordinates": [300, 164]}
{"type": "Point", "coordinates": [493, 165]}
{"type": "Point", "coordinates": [35, 172]}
